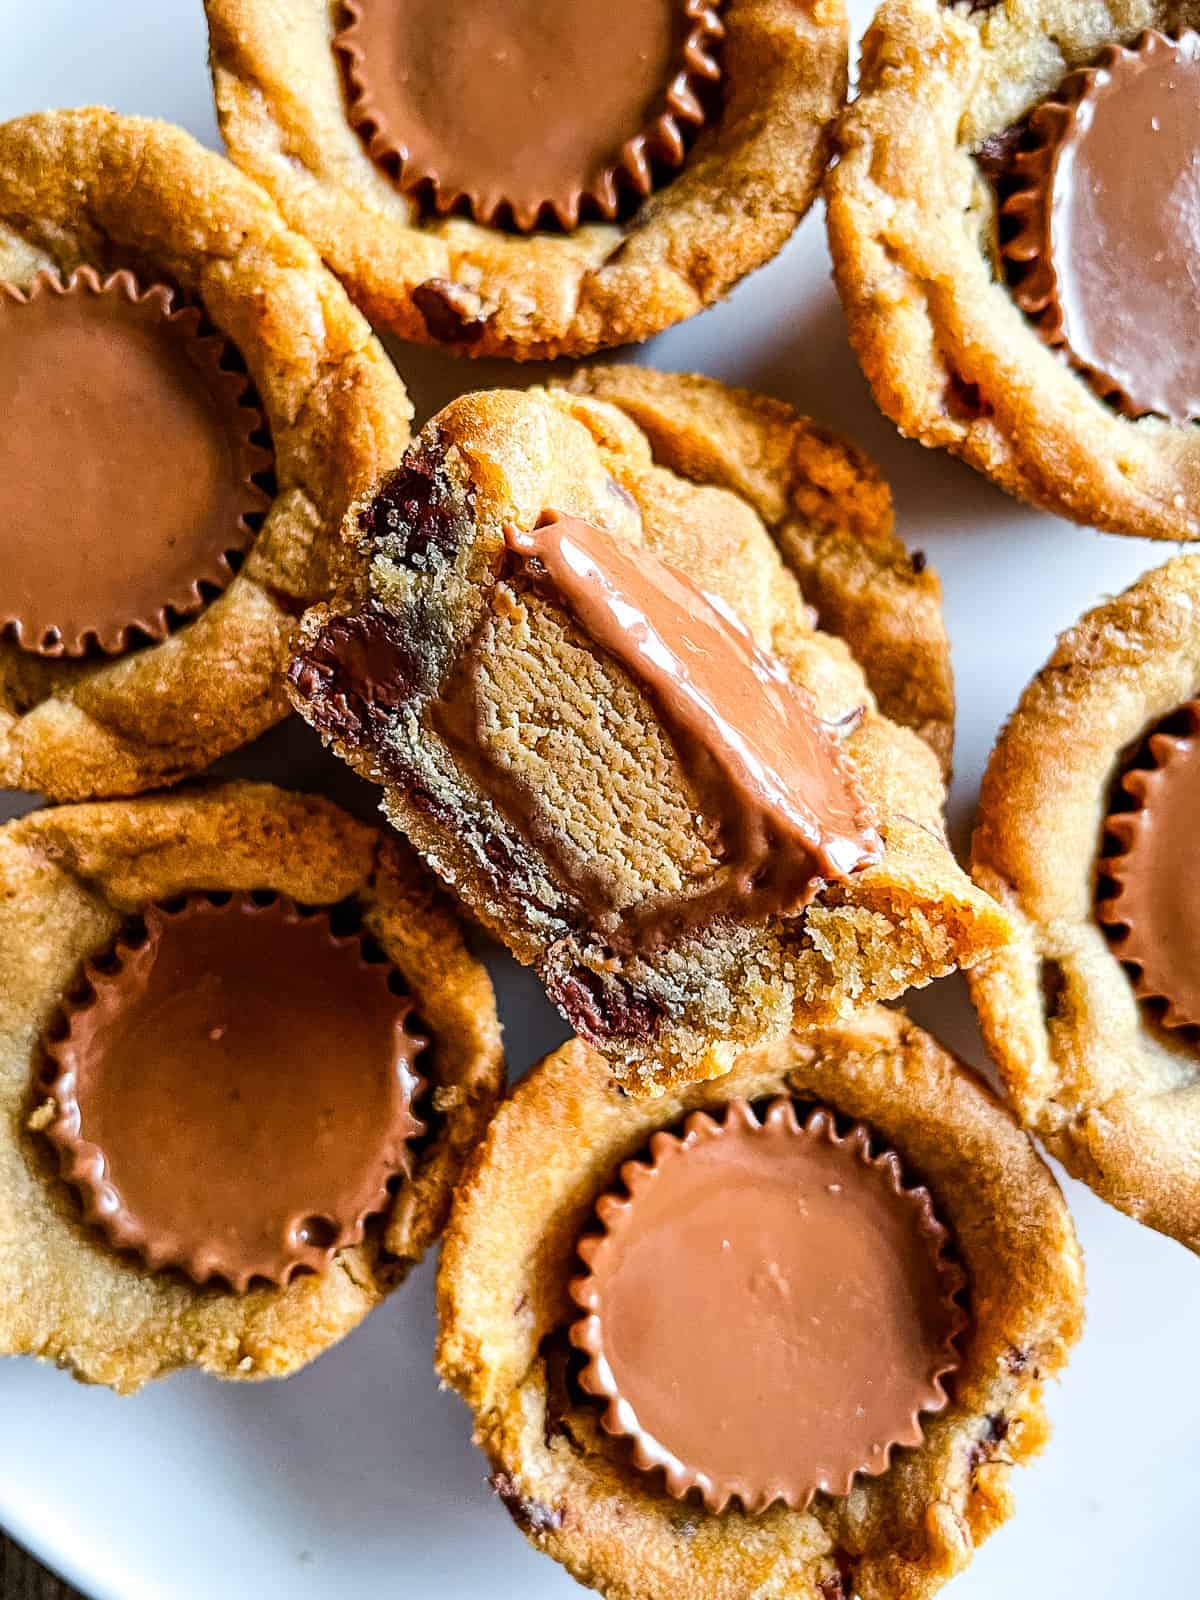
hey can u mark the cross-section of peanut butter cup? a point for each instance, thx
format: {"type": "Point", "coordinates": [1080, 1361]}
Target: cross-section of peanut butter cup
{"type": "Point", "coordinates": [128, 457]}
{"type": "Point", "coordinates": [1105, 215]}
{"type": "Point", "coordinates": [233, 1090]}
{"type": "Point", "coordinates": [1153, 910]}
{"type": "Point", "coordinates": [794, 815]}
{"type": "Point", "coordinates": [768, 1307]}
{"type": "Point", "coordinates": [522, 114]}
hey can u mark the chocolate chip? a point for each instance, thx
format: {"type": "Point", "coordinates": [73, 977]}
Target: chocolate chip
{"type": "Point", "coordinates": [531, 1516]}
{"type": "Point", "coordinates": [1054, 987]}
{"type": "Point", "coordinates": [918, 561]}
{"type": "Point", "coordinates": [453, 313]}
{"type": "Point", "coordinates": [985, 1448]}
{"type": "Point", "coordinates": [1017, 1361]}
{"type": "Point", "coordinates": [601, 1007]}
{"type": "Point", "coordinates": [557, 1355]}
{"type": "Point", "coordinates": [357, 671]}
{"type": "Point", "coordinates": [963, 400]}
{"type": "Point", "coordinates": [996, 155]}
{"type": "Point", "coordinates": [415, 516]}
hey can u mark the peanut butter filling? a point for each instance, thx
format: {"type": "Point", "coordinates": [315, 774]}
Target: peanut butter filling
{"type": "Point", "coordinates": [792, 818]}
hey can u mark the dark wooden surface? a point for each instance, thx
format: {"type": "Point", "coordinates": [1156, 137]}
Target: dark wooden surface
{"type": "Point", "coordinates": [22, 1579]}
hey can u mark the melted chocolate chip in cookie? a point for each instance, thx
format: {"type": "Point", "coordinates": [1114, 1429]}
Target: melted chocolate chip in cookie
{"type": "Point", "coordinates": [525, 112]}
{"type": "Point", "coordinates": [127, 463]}
{"type": "Point", "coordinates": [767, 1310]}
{"type": "Point", "coordinates": [233, 1093]}
{"type": "Point", "coordinates": [1106, 214]}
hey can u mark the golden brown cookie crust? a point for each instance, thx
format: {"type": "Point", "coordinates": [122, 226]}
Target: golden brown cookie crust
{"type": "Point", "coordinates": [825, 505]}
{"type": "Point", "coordinates": [68, 878]}
{"type": "Point", "coordinates": [509, 1254]}
{"type": "Point", "coordinates": [90, 188]}
{"type": "Point", "coordinates": [747, 182]}
{"type": "Point", "coordinates": [503, 457]}
{"type": "Point", "coordinates": [950, 357]}
{"type": "Point", "coordinates": [1115, 1099]}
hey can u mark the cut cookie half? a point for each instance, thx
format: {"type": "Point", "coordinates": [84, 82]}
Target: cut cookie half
{"type": "Point", "coordinates": [245, 1056]}
{"type": "Point", "coordinates": [632, 831]}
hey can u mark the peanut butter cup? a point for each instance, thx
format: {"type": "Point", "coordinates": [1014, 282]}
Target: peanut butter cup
{"type": "Point", "coordinates": [794, 817]}
{"type": "Point", "coordinates": [1153, 910]}
{"type": "Point", "coordinates": [128, 458]}
{"type": "Point", "coordinates": [524, 113]}
{"type": "Point", "coordinates": [1107, 219]}
{"type": "Point", "coordinates": [233, 1090]}
{"type": "Point", "coordinates": [768, 1308]}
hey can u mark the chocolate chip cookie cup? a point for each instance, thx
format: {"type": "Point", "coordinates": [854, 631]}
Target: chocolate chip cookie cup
{"type": "Point", "coordinates": [507, 181]}
{"type": "Point", "coordinates": [1011, 216]}
{"type": "Point", "coordinates": [572, 653]}
{"type": "Point", "coordinates": [246, 1056]}
{"type": "Point", "coordinates": [1086, 834]}
{"type": "Point", "coordinates": [964, 1203]}
{"type": "Point", "coordinates": [191, 402]}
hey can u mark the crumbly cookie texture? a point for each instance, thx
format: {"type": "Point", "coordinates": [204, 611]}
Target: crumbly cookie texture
{"type": "Point", "coordinates": [1114, 1097]}
{"type": "Point", "coordinates": [426, 622]}
{"type": "Point", "coordinates": [912, 227]}
{"type": "Point", "coordinates": [748, 180]}
{"type": "Point", "coordinates": [68, 879]}
{"type": "Point", "coordinates": [89, 188]}
{"type": "Point", "coordinates": [504, 1308]}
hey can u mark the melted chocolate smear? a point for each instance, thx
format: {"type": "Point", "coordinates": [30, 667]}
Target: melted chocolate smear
{"type": "Point", "coordinates": [602, 1007]}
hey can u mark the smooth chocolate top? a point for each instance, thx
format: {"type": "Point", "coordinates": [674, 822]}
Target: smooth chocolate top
{"type": "Point", "coordinates": [768, 1311]}
{"type": "Point", "coordinates": [771, 769]}
{"type": "Point", "coordinates": [236, 1096]}
{"type": "Point", "coordinates": [123, 465]}
{"type": "Point", "coordinates": [1124, 226]}
{"type": "Point", "coordinates": [1156, 906]}
{"type": "Point", "coordinates": [521, 104]}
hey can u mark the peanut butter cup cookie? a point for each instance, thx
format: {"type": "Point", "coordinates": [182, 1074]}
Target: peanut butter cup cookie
{"type": "Point", "coordinates": [1013, 218]}
{"type": "Point", "coordinates": [529, 180]}
{"type": "Point", "coordinates": [571, 653]}
{"type": "Point", "coordinates": [190, 402]}
{"type": "Point", "coordinates": [244, 1054]}
{"type": "Point", "coordinates": [1087, 833]}
{"type": "Point", "coordinates": [781, 1334]}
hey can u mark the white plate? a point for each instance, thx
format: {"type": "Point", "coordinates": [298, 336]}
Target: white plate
{"type": "Point", "coordinates": [357, 1478]}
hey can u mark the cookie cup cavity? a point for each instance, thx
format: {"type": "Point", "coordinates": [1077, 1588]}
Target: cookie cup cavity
{"type": "Point", "coordinates": [914, 234]}
{"type": "Point", "coordinates": [1114, 1096]}
{"type": "Point", "coordinates": [71, 878]}
{"type": "Point", "coordinates": [505, 1310]}
{"type": "Point", "coordinates": [88, 189]}
{"type": "Point", "coordinates": [745, 183]}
